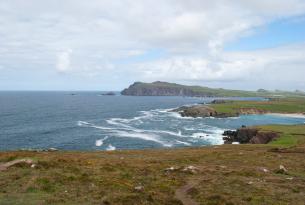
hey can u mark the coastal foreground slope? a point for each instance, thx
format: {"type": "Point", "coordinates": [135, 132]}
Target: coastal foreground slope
{"type": "Point", "coordinates": [226, 174]}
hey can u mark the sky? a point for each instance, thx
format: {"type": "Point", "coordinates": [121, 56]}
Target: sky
{"type": "Point", "coordinates": [109, 44]}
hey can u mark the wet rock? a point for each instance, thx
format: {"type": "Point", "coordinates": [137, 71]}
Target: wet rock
{"type": "Point", "coordinates": [242, 135]}
{"type": "Point", "coordinates": [249, 135]}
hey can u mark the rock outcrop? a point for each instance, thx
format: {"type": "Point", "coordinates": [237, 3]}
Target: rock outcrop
{"type": "Point", "coordinates": [196, 111]}
{"type": "Point", "coordinates": [201, 111]}
{"type": "Point", "coordinates": [249, 135]}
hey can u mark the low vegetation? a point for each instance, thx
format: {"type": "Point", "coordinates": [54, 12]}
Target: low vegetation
{"type": "Point", "coordinates": [274, 105]}
{"type": "Point", "coordinates": [227, 174]}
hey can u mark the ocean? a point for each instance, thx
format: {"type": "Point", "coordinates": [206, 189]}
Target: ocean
{"type": "Point", "coordinates": [91, 121]}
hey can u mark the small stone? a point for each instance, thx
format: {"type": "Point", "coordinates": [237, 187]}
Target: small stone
{"type": "Point", "coordinates": [289, 178]}
{"type": "Point", "coordinates": [33, 165]}
{"type": "Point", "coordinates": [263, 169]}
{"type": "Point", "coordinates": [281, 170]}
{"type": "Point", "coordinates": [191, 169]}
{"type": "Point", "coordinates": [171, 169]}
{"type": "Point", "coordinates": [139, 188]}
{"type": "Point", "coordinates": [250, 182]}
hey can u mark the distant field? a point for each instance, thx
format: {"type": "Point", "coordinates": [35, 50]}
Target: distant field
{"type": "Point", "coordinates": [282, 105]}
{"type": "Point", "coordinates": [228, 174]}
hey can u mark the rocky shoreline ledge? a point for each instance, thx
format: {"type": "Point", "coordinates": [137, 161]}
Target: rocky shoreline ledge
{"type": "Point", "coordinates": [246, 135]}
{"type": "Point", "coordinates": [207, 111]}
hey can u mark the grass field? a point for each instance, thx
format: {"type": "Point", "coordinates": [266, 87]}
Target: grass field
{"type": "Point", "coordinates": [285, 105]}
{"type": "Point", "coordinates": [227, 174]}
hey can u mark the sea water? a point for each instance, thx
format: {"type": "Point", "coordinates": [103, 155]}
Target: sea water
{"type": "Point", "coordinates": [91, 121]}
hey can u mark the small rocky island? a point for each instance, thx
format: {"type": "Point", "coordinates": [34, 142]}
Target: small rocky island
{"type": "Point", "coordinates": [108, 93]}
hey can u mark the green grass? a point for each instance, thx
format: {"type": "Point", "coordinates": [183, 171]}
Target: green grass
{"type": "Point", "coordinates": [285, 105]}
{"type": "Point", "coordinates": [290, 135]}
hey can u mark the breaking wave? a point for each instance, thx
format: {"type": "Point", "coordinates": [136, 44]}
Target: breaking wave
{"type": "Point", "coordinates": [160, 127]}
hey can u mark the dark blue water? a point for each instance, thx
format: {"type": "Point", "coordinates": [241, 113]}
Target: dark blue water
{"type": "Point", "coordinates": [89, 121]}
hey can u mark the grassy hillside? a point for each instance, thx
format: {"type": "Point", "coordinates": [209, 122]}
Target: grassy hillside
{"type": "Point", "coordinates": [228, 174]}
{"type": "Point", "coordinates": [282, 105]}
{"type": "Point", "coordinates": [171, 89]}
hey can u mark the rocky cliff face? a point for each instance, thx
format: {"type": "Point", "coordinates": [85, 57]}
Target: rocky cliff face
{"type": "Point", "coordinates": [196, 111]}
{"type": "Point", "coordinates": [249, 135]}
{"type": "Point", "coordinates": [202, 111]}
{"type": "Point", "coordinates": [160, 89]}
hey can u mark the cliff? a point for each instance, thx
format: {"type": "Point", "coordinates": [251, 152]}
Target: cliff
{"type": "Point", "coordinates": [249, 135]}
{"type": "Point", "coordinates": [171, 89]}
{"type": "Point", "coordinates": [159, 88]}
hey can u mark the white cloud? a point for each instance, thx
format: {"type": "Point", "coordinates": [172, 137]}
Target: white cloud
{"type": "Point", "coordinates": [103, 33]}
{"type": "Point", "coordinates": [281, 64]}
{"type": "Point", "coordinates": [63, 61]}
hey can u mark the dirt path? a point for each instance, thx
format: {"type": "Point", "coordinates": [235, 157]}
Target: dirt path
{"type": "Point", "coordinates": [7, 165]}
{"type": "Point", "coordinates": [182, 193]}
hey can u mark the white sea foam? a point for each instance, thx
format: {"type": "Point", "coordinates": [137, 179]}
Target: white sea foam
{"type": "Point", "coordinates": [144, 136]}
{"type": "Point", "coordinates": [118, 122]}
{"type": "Point", "coordinates": [215, 139]}
{"type": "Point", "coordinates": [100, 142]}
{"type": "Point", "coordinates": [177, 115]}
{"type": "Point", "coordinates": [110, 148]}
{"type": "Point", "coordinates": [127, 127]}
{"type": "Point", "coordinates": [83, 123]}
{"type": "Point", "coordinates": [185, 143]}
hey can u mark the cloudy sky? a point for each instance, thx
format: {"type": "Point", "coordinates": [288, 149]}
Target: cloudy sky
{"type": "Point", "coordinates": [108, 44]}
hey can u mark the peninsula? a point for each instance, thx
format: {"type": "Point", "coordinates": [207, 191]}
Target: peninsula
{"type": "Point", "coordinates": [159, 88]}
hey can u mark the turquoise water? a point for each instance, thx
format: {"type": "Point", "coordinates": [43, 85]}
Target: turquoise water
{"type": "Point", "coordinates": [89, 121]}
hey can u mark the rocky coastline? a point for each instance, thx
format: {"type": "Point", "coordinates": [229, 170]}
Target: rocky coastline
{"type": "Point", "coordinates": [250, 135]}
{"type": "Point", "coordinates": [201, 111]}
